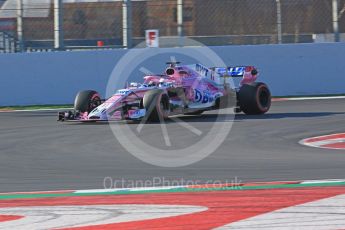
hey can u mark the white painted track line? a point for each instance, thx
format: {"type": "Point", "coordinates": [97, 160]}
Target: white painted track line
{"type": "Point", "coordinates": [53, 217]}
{"type": "Point", "coordinates": [322, 214]}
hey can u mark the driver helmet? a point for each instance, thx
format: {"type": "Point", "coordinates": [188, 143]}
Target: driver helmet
{"type": "Point", "coordinates": [161, 82]}
{"type": "Point", "coordinates": [152, 83]}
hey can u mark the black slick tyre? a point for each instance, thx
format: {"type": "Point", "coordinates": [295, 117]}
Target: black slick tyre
{"type": "Point", "coordinates": [254, 98]}
{"type": "Point", "coordinates": [86, 101]}
{"type": "Point", "coordinates": [157, 105]}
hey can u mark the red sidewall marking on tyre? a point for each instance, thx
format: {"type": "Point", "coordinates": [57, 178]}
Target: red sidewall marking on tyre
{"type": "Point", "coordinates": [332, 141]}
{"type": "Point", "coordinates": [224, 207]}
{"type": "Point", "coordinates": [258, 102]}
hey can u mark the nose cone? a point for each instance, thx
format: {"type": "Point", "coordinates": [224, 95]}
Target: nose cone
{"type": "Point", "coordinates": [98, 113]}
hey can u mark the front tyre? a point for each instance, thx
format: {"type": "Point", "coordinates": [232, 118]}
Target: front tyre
{"type": "Point", "coordinates": [254, 98]}
{"type": "Point", "coordinates": [157, 105]}
{"type": "Point", "coordinates": [86, 101]}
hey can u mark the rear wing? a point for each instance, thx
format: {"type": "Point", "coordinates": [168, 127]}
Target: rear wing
{"type": "Point", "coordinates": [238, 71]}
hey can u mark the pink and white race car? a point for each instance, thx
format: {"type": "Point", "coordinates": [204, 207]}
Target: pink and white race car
{"type": "Point", "coordinates": [182, 89]}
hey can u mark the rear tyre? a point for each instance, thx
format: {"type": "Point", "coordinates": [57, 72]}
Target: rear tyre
{"type": "Point", "coordinates": [254, 98]}
{"type": "Point", "coordinates": [157, 105]}
{"type": "Point", "coordinates": [86, 101]}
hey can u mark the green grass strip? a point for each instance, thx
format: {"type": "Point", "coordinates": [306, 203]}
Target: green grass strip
{"type": "Point", "coordinates": [33, 107]}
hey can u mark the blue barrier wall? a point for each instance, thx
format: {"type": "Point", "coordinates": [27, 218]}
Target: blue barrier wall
{"type": "Point", "coordinates": [55, 78]}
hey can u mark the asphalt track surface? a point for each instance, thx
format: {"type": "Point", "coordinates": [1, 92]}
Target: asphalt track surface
{"type": "Point", "coordinates": [39, 154]}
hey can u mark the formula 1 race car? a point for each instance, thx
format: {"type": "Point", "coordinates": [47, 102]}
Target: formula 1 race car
{"type": "Point", "coordinates": [182, 89]}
